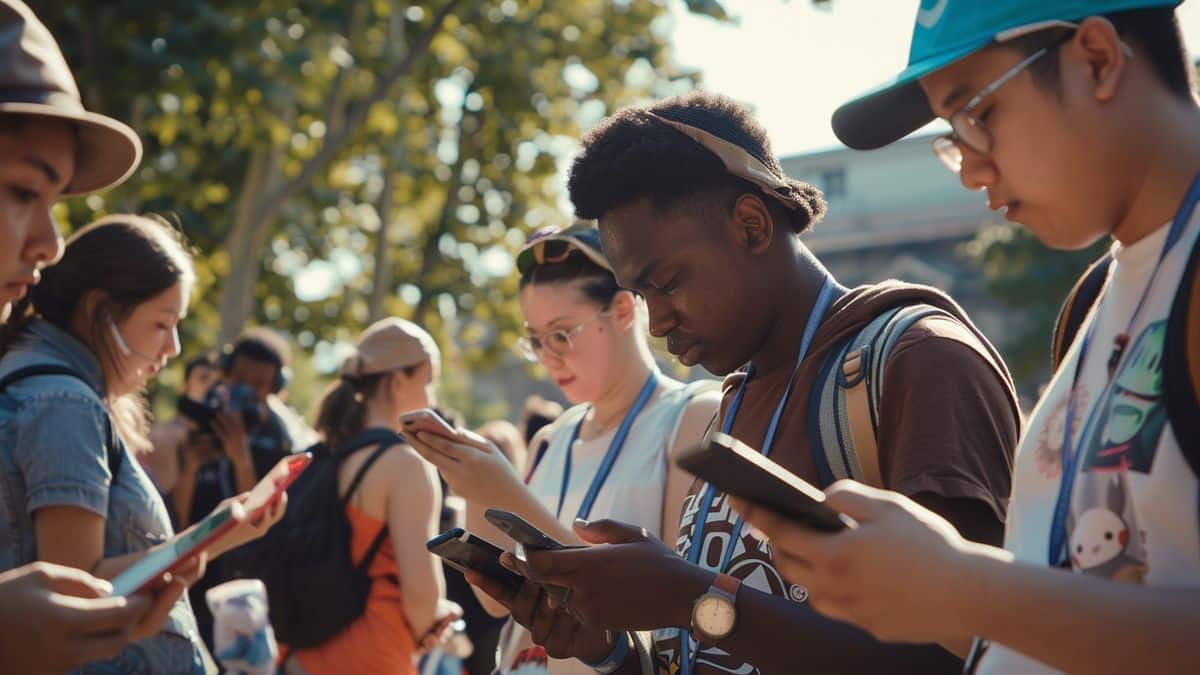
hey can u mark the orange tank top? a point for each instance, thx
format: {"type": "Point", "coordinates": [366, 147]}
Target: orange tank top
{"type": "Point", "coordinates": [380, 641]}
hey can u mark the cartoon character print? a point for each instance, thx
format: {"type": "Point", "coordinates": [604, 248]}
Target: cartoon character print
{"type": "Point", "coordinates": [532, 661]}
{"type": "Point", "coordinates": [750, 562]}
{"type": "Point", "coordinates": [1104, 536]}
{"type": "Point", "coordinates": [1126, 436]}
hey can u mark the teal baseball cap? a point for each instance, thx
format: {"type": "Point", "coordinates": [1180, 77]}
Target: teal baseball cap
{"type": "Point", "coordinates": [946, 31]}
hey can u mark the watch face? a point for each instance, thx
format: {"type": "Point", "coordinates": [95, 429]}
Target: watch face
{"type": "Point", "coordinates": [715, 615]}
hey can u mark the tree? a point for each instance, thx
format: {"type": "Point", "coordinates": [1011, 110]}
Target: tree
{"type": "Point", "coordinates": [1033, 280]}
{"type": "Point", "coordinates": [317, 152]}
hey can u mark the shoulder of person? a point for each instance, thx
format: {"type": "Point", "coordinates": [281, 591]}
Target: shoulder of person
{"type": "Point", "coordinates": [44, 386]}
{"type": "Point", "coordinates": [399, 461]}
{"type": "Point", "coordinates": [938, 336]}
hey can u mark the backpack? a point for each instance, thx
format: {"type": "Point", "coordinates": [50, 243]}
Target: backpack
{"type": "Point", "coordinates": [113, 450]}
{"type": "Point", "coordinates": [844, 403]}
{"type": "Point", "coordinates": [314, 588]}
{"type": "Point", "coordinates": [1181, 349]}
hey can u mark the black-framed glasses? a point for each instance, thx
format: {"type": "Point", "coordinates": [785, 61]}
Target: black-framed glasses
{"type": "Point", "coordinates": [969, 130]}
{"type": "Point", "coordinates": [557, 342]}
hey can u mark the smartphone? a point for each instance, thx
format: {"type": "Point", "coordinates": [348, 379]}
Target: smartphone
{"type": "Point", "coordinates": [166, 558]}
{"type": "Point", "coordinates": [735, 468]}
{"type": "Point", "coordinates": [269, 490]}
{"type": "Point", "coordinates": [463, 551]}
{"type": "Point", "coordinates": [428, 421]}
{"type": "Point", "coordinates": [521, 531]}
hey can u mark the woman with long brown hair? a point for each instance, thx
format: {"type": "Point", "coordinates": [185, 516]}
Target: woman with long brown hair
{"type": "Point", "coordinates": [105, 319]}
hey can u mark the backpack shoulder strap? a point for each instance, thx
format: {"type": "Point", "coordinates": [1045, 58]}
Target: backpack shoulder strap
{"type": "Point", "coordinates": [844, 437]}
{"type": "Point", "coordinates": [1181, 362]}
{"type": "Point", "coordinates": [1076, 307]}
{"type": "Point", "coordinates": [384, 438]}
{"type": "Point", "coordinates": [112, 447]}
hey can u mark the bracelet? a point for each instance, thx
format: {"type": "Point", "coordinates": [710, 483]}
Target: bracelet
{"type": "Point", "coordinates": [615, 658]}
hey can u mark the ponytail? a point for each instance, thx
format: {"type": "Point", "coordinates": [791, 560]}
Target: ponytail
{"type": "Point", "coordinates": [342, 410]}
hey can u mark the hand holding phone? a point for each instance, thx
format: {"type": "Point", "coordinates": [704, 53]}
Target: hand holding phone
{"type": "Point", "coordinates": [150, 568]}
{"type": "Point", "coordinates": [270, 489]}
{"type": "Point", "coordinates": [464, 551]}
{"type": "Point", "coordinates": [734, 467]}
{"type": "Point", "coordinates": [428, 421]}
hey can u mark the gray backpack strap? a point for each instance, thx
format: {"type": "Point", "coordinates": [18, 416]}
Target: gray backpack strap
{"type": "Point", "coordinates": [850, 389]}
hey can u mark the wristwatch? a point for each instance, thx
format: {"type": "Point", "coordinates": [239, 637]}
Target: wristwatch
{"type": "Point", "coordinates": [714, 614]}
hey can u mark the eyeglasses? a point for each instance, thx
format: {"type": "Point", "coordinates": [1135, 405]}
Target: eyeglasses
{"type": "Point", "coordinates": [556, 342]}
{"type": "Point", "coordinates": [969, 130]}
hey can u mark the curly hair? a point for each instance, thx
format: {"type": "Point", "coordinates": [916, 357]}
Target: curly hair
{"type": "Point", "coordinates": [631, 156]}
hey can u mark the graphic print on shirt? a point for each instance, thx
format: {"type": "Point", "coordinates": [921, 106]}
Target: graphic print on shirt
{"type": "Point", "coordinates": [532, 661]}
{"type": "Point", "coordinates": [751, 563]}
{"type": "Point", "coordinates": [1105, 539]}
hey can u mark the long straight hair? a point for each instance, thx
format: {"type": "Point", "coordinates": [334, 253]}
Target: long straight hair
{"type": "Point", "coordinates": [129, 259]}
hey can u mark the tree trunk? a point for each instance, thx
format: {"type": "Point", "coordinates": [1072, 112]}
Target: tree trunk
{"type": "Point", "coordinates": [237, 292]}
{"type": "Point", "coordinates": [382, 282]}
{"type": "Point", "coordinates": [263, 202]}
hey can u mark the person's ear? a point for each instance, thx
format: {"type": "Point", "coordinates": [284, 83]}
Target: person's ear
{"type": "Point", "coordinates": [1101, 56]}
{"type": "Point", "coordinates": [90, 306]}
{"type": "Point", "coordinates": [752, 224]}
{"type": "Point", "coordinates": [623, 309]}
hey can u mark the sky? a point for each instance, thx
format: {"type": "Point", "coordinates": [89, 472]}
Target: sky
{"type": "Point", "coordinates": [795, 64]}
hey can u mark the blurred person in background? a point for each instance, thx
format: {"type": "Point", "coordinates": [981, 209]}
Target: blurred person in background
{"type": "Point", "coordinates": [74, 496]}
{"type": "Point", "coordinates": [609, 455]}
{"type": "Point", "coordinates": [393, 509]}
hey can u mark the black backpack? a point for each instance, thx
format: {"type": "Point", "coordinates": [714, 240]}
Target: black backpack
{"type": "Point", "coordinates": [314, 588]}
{"type": "Point", "coordinates": [1181, 351]}
{"type": "Point", "coordinates": [113, 451]}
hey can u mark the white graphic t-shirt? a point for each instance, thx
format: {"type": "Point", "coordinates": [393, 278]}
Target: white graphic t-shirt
{"type": "Point", "coordinates": [1133, 515]}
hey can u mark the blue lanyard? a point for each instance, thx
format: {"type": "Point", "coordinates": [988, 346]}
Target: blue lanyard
{"type": "Point", "coordinates": [610, 457]}
{"type": "Point", "coordinates": [829, 291]}
{"type": "Point", "coordinates": [1058, 554]}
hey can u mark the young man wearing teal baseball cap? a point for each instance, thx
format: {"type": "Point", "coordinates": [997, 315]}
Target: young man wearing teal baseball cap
{"type": "Point", "coordinates": [1077, 118]}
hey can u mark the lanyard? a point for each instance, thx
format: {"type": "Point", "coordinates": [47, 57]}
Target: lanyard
{"type": "Point", "coordinates": [610, 457]}
{"type": "Point", "coordinates": [829, 291]}
{"type": "Point", "coordinates": [1058, 553]}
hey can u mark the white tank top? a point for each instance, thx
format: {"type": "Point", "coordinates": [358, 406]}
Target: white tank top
{"type": "Point", "coordinates": [633, 493]}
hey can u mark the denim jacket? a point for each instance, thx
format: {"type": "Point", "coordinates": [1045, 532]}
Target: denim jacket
{"type": "Point", "coordinates": [53, 434]}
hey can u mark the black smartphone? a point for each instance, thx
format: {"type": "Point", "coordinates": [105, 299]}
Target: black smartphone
{"type": "Point", "coordinates": [521, 531]}
{"type": "Point", "coordinates": [735, 468]}
{"type": "Point", "coordinates": [463, 551]}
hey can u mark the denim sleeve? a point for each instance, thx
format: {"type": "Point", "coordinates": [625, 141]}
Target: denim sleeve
{"type": "Point", "coordinates": [60, 451]}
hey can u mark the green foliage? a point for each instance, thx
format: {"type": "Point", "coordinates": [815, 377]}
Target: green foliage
{"type": "Point", "coordinates": [1033, 281]}
{"type": "Point", "coordinates": [276, 137]}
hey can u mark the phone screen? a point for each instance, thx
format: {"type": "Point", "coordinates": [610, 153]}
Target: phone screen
{"type": "Point", "coordinates": [161, 559]}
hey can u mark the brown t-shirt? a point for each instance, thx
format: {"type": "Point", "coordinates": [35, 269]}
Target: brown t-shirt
{"type": "Point", "coordinates": [948, 424]}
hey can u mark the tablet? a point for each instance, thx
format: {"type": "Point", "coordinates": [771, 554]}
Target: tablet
{"type": "Point", "coordinates": [735, 468]}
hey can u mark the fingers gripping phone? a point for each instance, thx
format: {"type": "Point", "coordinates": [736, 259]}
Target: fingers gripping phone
{"type": "Point", "coordinates": [735, 468]}
{"type": "Point", "coordinates": [428, 421]}
{"type": "Point", "coordinates": [464, 551]}
{"type": "Point", "coordinates": [183, 546]}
